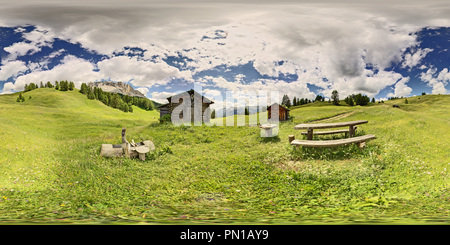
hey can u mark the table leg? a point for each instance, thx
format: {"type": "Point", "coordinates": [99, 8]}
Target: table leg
{"type": "Point", "coordinates": [351, 131]}
{"type": "Point", "coordinates": [310, 134]}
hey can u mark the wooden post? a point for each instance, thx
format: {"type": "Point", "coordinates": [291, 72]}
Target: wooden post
{"type": "Point", "coordinates": [351, 131]}
{"type": "Point", "coordinates": [124, 139]}
{"type": "Point", "coordinates": [310, 134]}
{"type": "Point", "coordinates": [291, 138]}
{"type": "Point", "coordinates": [126, 149]}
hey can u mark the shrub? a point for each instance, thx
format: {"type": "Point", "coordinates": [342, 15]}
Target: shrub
{"type": "Point", "coordinates": [165, 118]}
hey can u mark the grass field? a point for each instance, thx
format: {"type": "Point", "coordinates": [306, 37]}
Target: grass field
{"type": "Point", "coordinates": [52, 171]}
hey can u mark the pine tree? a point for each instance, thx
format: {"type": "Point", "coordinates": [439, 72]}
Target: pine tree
{"type": "Point", "coordinates": [286, 101]}
{"type": "Point", "coordinates": [56, 85]}
{"type": "Point", "coordinates": [90, 95]}
{"type": "Point", "coordinates": [115, 101]}
{"type": "Point", "coordinates": [71, 86]}
{"type": "Point", "coordinates": [20, 98]}
{"type": "Point", "coordinates": [83, 88]}
{"type": "Point", "coordinates": [335, 97]}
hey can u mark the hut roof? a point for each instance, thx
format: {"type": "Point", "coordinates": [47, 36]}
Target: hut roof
{"type": "Point", "coordinates": [279, 106]}
{"type": "Point", "coordinates": [196, 95]}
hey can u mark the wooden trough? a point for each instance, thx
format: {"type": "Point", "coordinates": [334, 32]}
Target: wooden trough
{"type": "Point", "coordinates": [127, 149]}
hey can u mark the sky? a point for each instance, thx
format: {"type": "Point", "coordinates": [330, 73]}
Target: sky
{"type": "Point", "coordinates": [300, 48]}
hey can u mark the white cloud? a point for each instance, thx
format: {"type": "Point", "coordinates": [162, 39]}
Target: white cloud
{"type": "Point", "coordinates": [401, 89]}
{"type": "Point", "coordinates": [72, 69]}
{"type": "Point", "coordinates": [8, 88]}
{"type": "Point", "coordinates": [139, 72]}
{"type": "Point", "coordinates": [12, 69]}
{"type": "Point", "coordinates": [143, 90]}
{"type": "Point", "coordinates": [414, 59]}
{"type": "Point", "coordinates": [436, 80]}
{"type": "Point", "coordinates": [161, 97]}
{"type": "Point", "coordinates": [34, 41]}
{"type": "Point", "coordinates": [20, 49]}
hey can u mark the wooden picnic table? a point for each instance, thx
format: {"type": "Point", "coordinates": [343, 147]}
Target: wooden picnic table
{"type": "Point", "coordinates": [311, 126]}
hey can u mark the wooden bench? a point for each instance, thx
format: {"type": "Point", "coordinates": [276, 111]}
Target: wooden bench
{"type": "Point", "coordinates": [328, 132]}
{"type": "Point", "coordinates": [360, 140]}
{"type": "Point", "coordinates": [310, 127]}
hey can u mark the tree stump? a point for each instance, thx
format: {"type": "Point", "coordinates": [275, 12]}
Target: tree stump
{"type": "Point", "coordinates": [291, 138]}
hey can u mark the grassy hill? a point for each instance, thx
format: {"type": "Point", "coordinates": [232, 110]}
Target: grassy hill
{"type": "Point", "coordinates": [52, 171]}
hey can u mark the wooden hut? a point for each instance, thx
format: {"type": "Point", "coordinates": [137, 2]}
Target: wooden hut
{"type": "Point", "coordinates": [283, 112]}
{"type": "Point", "coordinates": [195, 98]}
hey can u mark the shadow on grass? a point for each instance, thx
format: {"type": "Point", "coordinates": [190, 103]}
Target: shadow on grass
{"type": "Point", "coordinates": [269, 139]}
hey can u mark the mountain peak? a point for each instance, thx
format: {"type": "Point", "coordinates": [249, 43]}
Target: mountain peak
{"type": "Point", "coordinates": [117, 87]}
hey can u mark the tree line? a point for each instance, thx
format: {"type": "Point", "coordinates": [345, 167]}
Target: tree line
{"type": "Point", "coordinates": [286, 101]}
{"type": "Point", "coordinates": [354, 99]}
{"type": "Point", "coordinates": [114, 100]}
{"type": "Point", "coordinates": [358, 99]}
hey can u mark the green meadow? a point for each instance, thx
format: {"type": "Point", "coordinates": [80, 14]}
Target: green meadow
{"type": "Point", "coordinates": [52, 171]}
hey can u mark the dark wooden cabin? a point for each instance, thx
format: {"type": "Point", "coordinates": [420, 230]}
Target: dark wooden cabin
{"type": "Point", "coordinates": [195, 98]}
{"type": "Point", "coordinates": [283, 112]}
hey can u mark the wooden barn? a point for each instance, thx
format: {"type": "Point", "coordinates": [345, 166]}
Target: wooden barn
{"type": "Point", "coordinates": [283, 112]}
{"type": "Point", "coordinates": [195, 98]}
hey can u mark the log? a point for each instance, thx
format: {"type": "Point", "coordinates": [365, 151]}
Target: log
{"type": "Point", "coordinates": [109, 150]}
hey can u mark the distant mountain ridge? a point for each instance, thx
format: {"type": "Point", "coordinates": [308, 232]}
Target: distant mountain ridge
{"type": "Point", "coordinates": [118, 88]}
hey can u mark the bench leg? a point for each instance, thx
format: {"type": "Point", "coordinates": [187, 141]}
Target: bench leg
{"type": "Point", "coordinates": [310, 134]}
{"type": "Point", "coordinates": [142, 156]}
{"type": "Point", "coordinates": [351, 131]}
{"type": "Point", "coordinates": [291, 138]}
{"type": "Point", "coordinates": [361, 145]}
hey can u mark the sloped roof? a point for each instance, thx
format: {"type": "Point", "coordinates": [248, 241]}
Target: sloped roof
{"type": "Point", "coordinates": [279, 106]}
{"type": "Point", "coordinates": [196, 95]}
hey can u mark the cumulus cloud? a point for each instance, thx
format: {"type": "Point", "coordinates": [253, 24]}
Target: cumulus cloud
{"type": "Point", "coordinates": [72, 68]}
{"type": "Point", "coordinates": [8, 88]}
{"type": "Point", "coordinates": [401, 89]}
{"type": "Point", "coordinates": [12, 69]}
{"type": "Point", "coordinates": [33, 43]}
{"type": "Point", "coordinates": [20, 49]}
{"type": "Point", "coordinates": [436, 80]}
{"type": "Point", "coordinates": [161, 97]}
{"type": "Point", "coordinates": [413, 59]}
{"type": "Point", "coordinates": [143, 90]}
{"type": "Point", "coordinates": [139, 72]}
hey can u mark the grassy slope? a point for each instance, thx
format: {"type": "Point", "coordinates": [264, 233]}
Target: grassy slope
{"type": "Point", "coordinates": [52, 169]}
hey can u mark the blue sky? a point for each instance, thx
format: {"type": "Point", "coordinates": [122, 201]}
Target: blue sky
{"type": "Point", "coordinates": [299, 48]}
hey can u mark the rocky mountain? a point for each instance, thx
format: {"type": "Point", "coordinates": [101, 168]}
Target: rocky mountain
{"type": "Point", "coordinates": [117, 87]}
